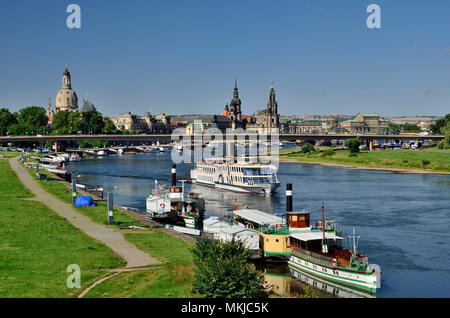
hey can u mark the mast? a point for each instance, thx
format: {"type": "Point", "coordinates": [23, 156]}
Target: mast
{"type": "Point", "coordinates": [354, 244]}
{"type": "Point", "coordinates": [323, 221]}
{"type": "Point", "coordinates": [324, 244]}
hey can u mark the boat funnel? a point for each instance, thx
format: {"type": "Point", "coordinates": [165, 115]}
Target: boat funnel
{"type": "Point", "coordinates": [289, 197]}
{"type": "Point", "coordinates": [174, 175]}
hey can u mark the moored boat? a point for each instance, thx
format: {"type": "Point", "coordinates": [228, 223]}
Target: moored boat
{"type": "Point", "coordinates": [313, 249]}
{"type": "Point", "coordinates": [175, 204]}
{"type": "Point", "coordinates": [237, 177]}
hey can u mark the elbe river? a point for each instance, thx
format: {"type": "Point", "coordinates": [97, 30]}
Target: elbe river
{"type": "Point", "coordinates": [403, 220]}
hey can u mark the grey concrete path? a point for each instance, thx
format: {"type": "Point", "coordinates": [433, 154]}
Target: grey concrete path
{"type": "Point", "coordinates": [112, 238]}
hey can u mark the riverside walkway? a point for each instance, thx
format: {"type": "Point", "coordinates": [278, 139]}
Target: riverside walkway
{"type": "Point", "coordinates": [110, 237]}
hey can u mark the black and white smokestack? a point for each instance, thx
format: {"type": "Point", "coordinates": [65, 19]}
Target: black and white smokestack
{"type": "Point", "coordinates": [174, 175]}
{"type": "Point", "coordinates": [289, 197]}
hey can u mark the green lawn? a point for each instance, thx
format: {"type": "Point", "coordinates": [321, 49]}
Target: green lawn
{"type": "Point", "coordinates": [9, 154]}
{"type": "Point", "coordinates": [37, 246]}
{"type": "Point", "coordinates": [98, 214]}
{"type": "Point", "coordinates": [172, 282]}
{"type": "Point", "coordinates": [173, 279]}
{"type": "Point", "coordinates": [431, 160]}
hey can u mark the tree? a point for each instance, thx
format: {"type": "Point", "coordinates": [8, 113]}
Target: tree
{"type": "Point", "coordinates": [92, 122]}
{"type": "Point", "coordinates": [223, 270]}
{"type": "Point", "coordinates": [6, 120]}
{"type": "Point", "coordinates": [109, 128]}
{"type": "Point", "coordinates": [445, 144]}
{"type": "Point", "coordinates": [33, 116]}
{"type": "Point", "coordinates": [353, 144]}
{"type": "Point", "coordinates": [436, 128]}
{"type": "Point", "coordinates": [60, 122]}
{"type": "Point", "coordinates": [308, 148]}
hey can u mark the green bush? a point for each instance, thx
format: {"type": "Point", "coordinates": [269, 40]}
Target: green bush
{"type": "Point", "coordinates": [352, 154]}
{"type": "Point", "coordinates": [224, 270]}
{"type": "Point", "coordinates": [353, 144]}
{"type": "Point", "coordinates": [425, 162]}
{"type": "Point", "coordinates": [308, 148]}
{"type": "Point", "coordinates": [328, 152]}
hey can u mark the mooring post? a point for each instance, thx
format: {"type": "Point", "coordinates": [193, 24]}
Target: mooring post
{"type": "Point", "coordinates": [74, 190]}
{"type": "Point", "coordinates": [110, 208]}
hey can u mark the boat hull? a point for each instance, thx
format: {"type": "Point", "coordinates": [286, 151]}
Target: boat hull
{"type": "Point", "coordinates": [366, 282]}
{"type": "Point", "coordinates": [327, 286]}
{"type": "Point", "coordinates": [266, 189]}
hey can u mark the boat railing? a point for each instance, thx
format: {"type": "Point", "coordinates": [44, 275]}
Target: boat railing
{"type": "Point", "coordinates": [280, 230]}
{"type": "Point", "coordinates": [315, 257]}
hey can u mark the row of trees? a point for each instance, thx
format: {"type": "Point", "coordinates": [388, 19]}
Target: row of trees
{"type": "Point", "coordinates": [28, 121]}
{"type": "Point", "coordinates": [33, 121]}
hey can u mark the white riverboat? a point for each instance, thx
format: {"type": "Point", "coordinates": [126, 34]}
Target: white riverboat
{"type": "Point", "coordinates": [236, 177]}
{"type": "Point", "coordinates": [174, 203]}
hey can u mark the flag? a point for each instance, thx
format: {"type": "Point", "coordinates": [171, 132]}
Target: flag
{"type": "Point", "coordinates": [235, 205]}
{"type": "Point", "coordinates": [160, 185]}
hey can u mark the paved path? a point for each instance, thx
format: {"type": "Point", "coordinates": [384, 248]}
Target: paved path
{"type": "Point", "coordinates": [113, 239]}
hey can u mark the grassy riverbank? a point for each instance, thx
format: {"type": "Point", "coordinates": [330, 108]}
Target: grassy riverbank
{"type": "Point", "coordinates": [9, 154]}
{"type": "Point", "coordinates": [98, 214]}
{"type": "Point", "coordinates": [172, 279]}
{"type": "Point", "coordinates": [37, 246]}
{"type": "Point", "coordinates": [413, 160]}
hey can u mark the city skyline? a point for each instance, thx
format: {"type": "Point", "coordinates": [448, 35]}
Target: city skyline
{"type": "Point", "coordinates": [173, 57]}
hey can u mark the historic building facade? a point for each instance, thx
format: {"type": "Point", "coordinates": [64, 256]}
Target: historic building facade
{"type": "Point", "coordinates": [364, 123]}
{"type": "Point", "coordinates": [269, 118]}
{"type": "Point", "coordinates": [149, 124]}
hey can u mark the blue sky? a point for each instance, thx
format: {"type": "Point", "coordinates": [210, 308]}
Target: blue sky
{"type": "Point", "coordinates": [180, 56]}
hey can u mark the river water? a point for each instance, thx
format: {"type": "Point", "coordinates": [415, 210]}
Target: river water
{"type": "Point", "coordinates": [403, 219]}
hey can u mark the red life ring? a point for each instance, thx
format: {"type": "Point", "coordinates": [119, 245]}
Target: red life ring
{"type": "Point", "coordinates": [333, 262]}
{"type": "Point", "coordinates": [162, 205]}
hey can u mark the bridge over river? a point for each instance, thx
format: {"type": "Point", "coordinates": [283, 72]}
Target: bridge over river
{"type": "Point", "coordinates": [250, 136]}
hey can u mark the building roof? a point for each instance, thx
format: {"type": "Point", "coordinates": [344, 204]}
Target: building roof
{"type": "Point", "coordinates": [87, 106]}
{"type": "Point", "coordinates": [311, 236]}
{"type": "Point", "coordinates": [259, 217]}
{"type": "Point", "coordinates": [234, 229]}
{"type": "Point", "coordinates": [370, 115]}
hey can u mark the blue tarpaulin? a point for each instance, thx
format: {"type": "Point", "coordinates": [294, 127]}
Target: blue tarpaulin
{"type": "Point", "coordinates": [84, 201]}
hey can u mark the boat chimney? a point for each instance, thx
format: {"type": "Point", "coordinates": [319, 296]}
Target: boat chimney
{"type": "Point", "coordinates": [289, 197]}
{"type": "Point", "coordinates": [174, 175]}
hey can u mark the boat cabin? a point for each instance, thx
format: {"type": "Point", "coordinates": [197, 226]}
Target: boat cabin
{"type": "Point", "coordinates": [298, 219]}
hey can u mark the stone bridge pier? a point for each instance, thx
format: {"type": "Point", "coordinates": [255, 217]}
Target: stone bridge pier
{"type": "Point", "coordinates": [319, 143]}
{"type": "Point", "coordinates": [60, 146]}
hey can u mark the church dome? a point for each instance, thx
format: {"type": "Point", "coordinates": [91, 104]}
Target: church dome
{"type": "Point", "coordinates": [87, 106]}
{"type": "Point", "coordinates": [66, 99]}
